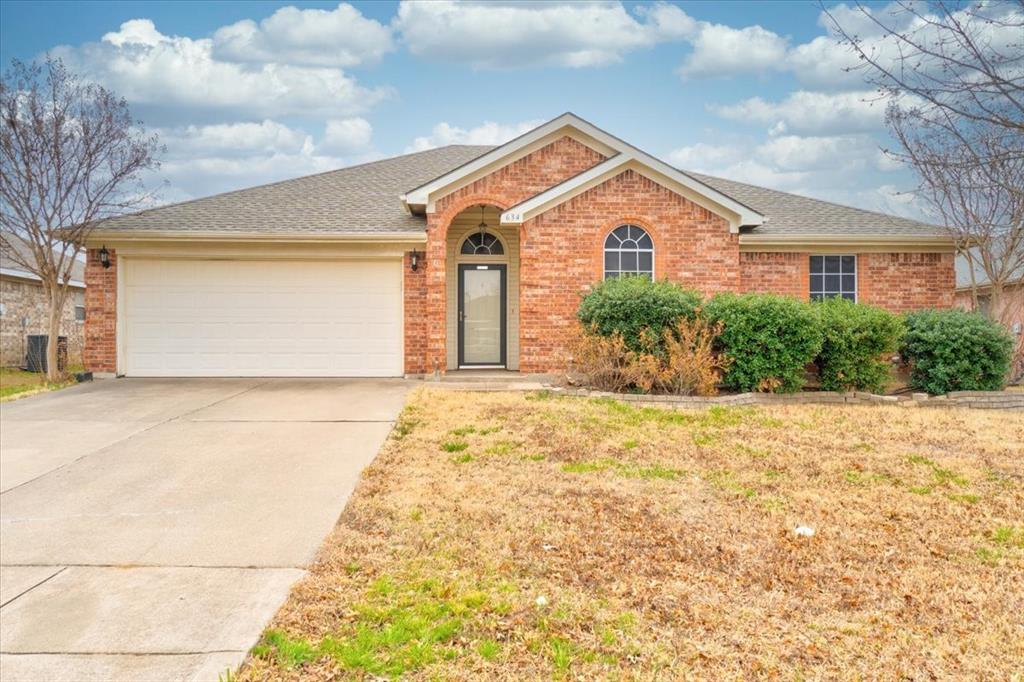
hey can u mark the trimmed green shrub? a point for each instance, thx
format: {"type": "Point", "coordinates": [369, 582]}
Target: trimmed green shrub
{"type": "Point", "coordinates": [769, 340]}
{"type": "Point", "coordinates": [630, 305]}
{"type": "Point", "coordinates": [857, 342]}
{"type": "Point", "coordinates": [953, 350]}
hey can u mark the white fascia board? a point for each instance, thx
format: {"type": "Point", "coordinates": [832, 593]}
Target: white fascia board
{"type": "Point", "coordinates": [737, 214]}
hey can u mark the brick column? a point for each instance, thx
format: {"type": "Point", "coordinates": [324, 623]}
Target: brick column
{"type": "Point", "coordinates": [415, 315]}
{"type": "Point", "coordinates": [100, 352]}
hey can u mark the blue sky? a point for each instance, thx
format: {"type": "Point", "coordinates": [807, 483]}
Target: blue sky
{"type": "Point", "coordinates": [248, 92]}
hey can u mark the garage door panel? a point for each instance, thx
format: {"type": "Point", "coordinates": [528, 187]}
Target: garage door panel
{"type": "Point", "coordinates": [260, 318]}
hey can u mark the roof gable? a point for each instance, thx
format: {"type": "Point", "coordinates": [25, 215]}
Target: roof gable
{"type": "Point", "coordinates": [621, 156]}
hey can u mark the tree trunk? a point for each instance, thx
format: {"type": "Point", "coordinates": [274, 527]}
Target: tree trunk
{"type": "Point", "coordinates": [57, 298]}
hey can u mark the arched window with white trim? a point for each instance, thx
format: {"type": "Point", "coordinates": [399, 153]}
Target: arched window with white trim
{"type": "Point", "coordinates": [628, 250]}
{"type": "Point", "coordinates": [482, 244]}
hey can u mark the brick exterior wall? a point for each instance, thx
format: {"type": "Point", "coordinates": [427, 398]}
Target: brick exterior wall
{"type": "Point", "coordinates": [415, 291]}
{"type": "Point", "coordinates": [898, 282]}
{"type": "Point", "coordinates": [100, 313]}
{"type": "Point", "coordinates": [776, 273]}
{"type": "Point", "coordinates": [561, 256]}
{"type": "Point", "coordinates": [906, 281]}
{"type": "Point", "coordinates": [26, 310]}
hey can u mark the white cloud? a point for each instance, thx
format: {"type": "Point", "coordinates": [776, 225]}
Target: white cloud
{"type": "Point", "coordinates": [346, 135]}
{"type": "Point", "coordinates": [812, 113]}
{"type": "Point", "coordinates": [703, 157]}
{"type": "Point", "coordinates": [232, 139]}
{"type": "Point", "coordinates": [485, 133]}
{"type": "Point", "coordinates": [207, 159]}
{"type": "Point", "coordinates": [316, 37]}
{"type": "Point", "coordinates": [164, 74]}
{"type": "Point", "coordinates": [502, 35]}
{"type": "Point", "coordinates": [720, 50]}
{"type": "Point", "coordinates": [843, 168]}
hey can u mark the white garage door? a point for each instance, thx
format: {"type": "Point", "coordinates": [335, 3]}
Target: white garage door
{"type": "Point", "coordinates": [262, 318]}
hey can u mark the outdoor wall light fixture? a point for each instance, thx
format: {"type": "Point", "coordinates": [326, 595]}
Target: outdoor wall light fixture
{"type": "Point", "coordinates": [104, 257]}
{"type": "Point", "coordinates": [414, 260]}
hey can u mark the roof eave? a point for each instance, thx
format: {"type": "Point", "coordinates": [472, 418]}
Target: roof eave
{"type": "Point", "coordinates": [795, 242]}
{"type": "Point", "coordinates": [98, 236]}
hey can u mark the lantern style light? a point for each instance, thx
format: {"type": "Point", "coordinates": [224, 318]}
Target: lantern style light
{"type": "Point", "coordinates": [104, 257]}
{"type": "Point", "coordinates": [414, 260]}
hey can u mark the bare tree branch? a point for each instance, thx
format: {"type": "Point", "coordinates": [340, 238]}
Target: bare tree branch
{"type": "Point", "coordinates": [70, 156]}
{"type": "Point", "coordinates": [953, 76]}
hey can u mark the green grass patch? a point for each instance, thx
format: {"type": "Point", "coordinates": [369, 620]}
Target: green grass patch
{"type": "Point", "coordinates": [464, 458]}
{"type": "Point", "coordinates": [630, 444]}
{"type": "Point", "coordinates": [287, 652]}
{"type": "Point", "coordinates": [624, 469]}
{"type": "Point", "coordinates": [399, 628]}
{"type": "Point", "coordinates": [463, 431]}
{"type": "Point", "coordinates": [454, 445]}
{"type": "Point", "coordinates": [966, 498]}
{"type": "Point", "coordinates": [488, 649]}
{"type": "Point", "coordinates": [587, 467]}
{"type": "Point", "coordinates": [941, 475]}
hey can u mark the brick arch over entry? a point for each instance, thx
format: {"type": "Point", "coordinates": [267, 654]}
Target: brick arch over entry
{"type": "Point", "coordinates": [426, 331]}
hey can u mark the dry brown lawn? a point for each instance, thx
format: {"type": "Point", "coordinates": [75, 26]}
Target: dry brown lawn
{"type": "Point", "coordinates": [511, 536]}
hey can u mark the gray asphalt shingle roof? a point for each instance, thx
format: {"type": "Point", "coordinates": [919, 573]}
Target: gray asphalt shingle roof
{"type": "Point", "coordinates": [357, 199]}
{"type": "Point", "coordinates": [365, 199]}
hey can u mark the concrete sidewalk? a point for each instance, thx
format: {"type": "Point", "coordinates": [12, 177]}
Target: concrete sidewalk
{"type": "Point", "coordinates": [150, 528]}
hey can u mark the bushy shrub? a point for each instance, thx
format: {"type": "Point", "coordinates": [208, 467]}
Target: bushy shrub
{"type": "Point", "coordinates": [857, 343]}
{"type": "Point", "coordinates": [686, 364]}
{"type": "Point", "coordinates": [630, 305]}
{"type": "Point", "coordinates": [769, 340]}
{"type": "Point", "coordinates": [953, 350]}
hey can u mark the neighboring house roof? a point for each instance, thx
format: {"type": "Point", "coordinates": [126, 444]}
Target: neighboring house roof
{"type": "Point", "coordinates": [379, 200]}
{"type": "Point", "coordinates": [358, 199]}
{"type": "Point", "coordinates": [10, 267]}
{"type": "Point", "coordinates": [963, 273]}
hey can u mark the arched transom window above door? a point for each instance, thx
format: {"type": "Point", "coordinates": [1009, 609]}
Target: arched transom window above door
{"type": "Point", "coordinates": [628, 250]}
{"type": "Point", "coordinates": [482, 244]}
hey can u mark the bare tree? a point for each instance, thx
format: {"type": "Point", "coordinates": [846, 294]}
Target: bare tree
{"type": "Point", "coordinates": [952, 74]}
{"type": "Point", "coordinates": [70, 155]}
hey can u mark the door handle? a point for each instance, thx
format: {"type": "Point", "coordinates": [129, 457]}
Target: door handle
{"type": "Point", "coordinates": [462, 316]}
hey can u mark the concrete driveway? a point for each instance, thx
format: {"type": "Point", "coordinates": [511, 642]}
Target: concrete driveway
{"type": "Point", "coordinates": [149, 528]}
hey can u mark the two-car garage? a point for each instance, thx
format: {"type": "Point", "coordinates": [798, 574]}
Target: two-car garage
{"type": "Point", "coordinates": [243, 317]}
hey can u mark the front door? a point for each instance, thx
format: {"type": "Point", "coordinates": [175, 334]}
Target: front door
{"type": "Point", "coordinates": [482, 298]}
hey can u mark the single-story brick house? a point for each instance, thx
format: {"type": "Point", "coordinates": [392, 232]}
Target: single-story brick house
{"type": "Point", "coordinates": [465, 256]}
{"type": "Point", "coordinates": [25, 309]}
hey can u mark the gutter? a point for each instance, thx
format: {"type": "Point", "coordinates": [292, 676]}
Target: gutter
{"type": "Point", "coordinates": [794, 241]}
{"type": "Point", "coordinates": [98, 236]}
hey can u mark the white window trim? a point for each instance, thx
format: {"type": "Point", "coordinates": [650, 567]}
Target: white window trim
{"type": "Point", "coordinates": [856, 269]}
{"type": "Point", "coordinates": [605, 249]}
